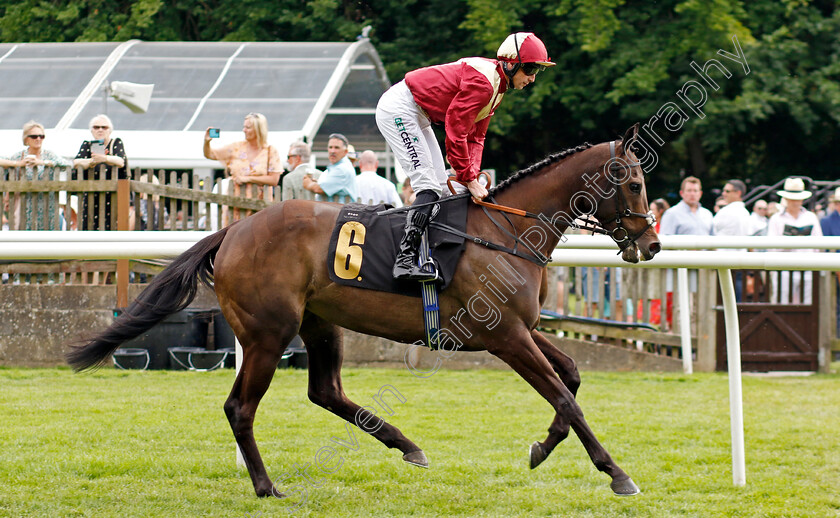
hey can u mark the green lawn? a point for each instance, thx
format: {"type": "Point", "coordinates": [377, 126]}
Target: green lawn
{"type": "Point", "coordinates": [147, 444]}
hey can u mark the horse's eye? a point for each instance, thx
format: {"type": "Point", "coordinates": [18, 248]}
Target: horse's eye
{"type": "Point", "coordinates": [635, 188]}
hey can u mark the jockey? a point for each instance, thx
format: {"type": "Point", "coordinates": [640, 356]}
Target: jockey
{"type": "Point", "coordinates": [462, 96]}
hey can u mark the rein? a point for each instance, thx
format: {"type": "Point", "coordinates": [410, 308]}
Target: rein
{"type": "Point", "coordinates": [619, 234]}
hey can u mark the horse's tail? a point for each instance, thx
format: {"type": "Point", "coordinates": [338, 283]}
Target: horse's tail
{"type": "Point", "coordinates": [170, 291]}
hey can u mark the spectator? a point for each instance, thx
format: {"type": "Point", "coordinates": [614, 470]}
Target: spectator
{"type": "Point", "coordinates": [720, 202]}
{"type": "Point", "coordinates": [733, 219]}
{"type": "Point", "coordinates": [298, 160]}
{"type": "Point", "coordinates": [463, 97]}
{"type": "Point", "coordinates": [759, 219]}
{"type": "Point", "coordinates": [250, 161]}
{"type": "Point", "coordinates": [34, 211]}
{"type": "Point", "coordinates": [101, 150]}
{"type": "Point", "coordinates": [352, 156]}
{"type": "Point", "coordinates": [407, 193]}
{"type": "Point", "coordinates": [339, 179]}
{"type": "Point", "coordinates": [831, 227]}
{"type": "Point", "coordinates": [687, 217]}
{"type": "Point", "coordinates": [794, 220]}
{"type": "Point", "coordinates": [830, 224]}
{"type": "Point", "coordinates": [659, 206]}
{"type": "Point", "coordinates": [371, 187]}
{"type": "Point", "coordinates": [772, 209]}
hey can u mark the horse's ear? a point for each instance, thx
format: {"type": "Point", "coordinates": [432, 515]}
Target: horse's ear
{"type": "Point", "coordinates": [629, 135]}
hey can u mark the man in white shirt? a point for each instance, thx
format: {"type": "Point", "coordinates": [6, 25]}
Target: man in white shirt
{"type": "Point", "coordinates": [371, 187]}
{"type": "Point", "coordinates": [734, 218]}
{"type": "Point", "coordinates": [794, 220]}
{"type": "Point", "coordinates": [759, 219]}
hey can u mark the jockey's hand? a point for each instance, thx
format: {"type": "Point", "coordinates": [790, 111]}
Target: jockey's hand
{"type": "Point", "coordinates": [476, 189]}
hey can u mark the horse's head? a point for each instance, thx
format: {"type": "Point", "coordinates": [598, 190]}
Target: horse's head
{"type": "Point", "coordinates": [623, 210]}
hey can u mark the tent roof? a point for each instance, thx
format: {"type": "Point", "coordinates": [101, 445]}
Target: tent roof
{"type": "Point", "coordinates": [297, 86]}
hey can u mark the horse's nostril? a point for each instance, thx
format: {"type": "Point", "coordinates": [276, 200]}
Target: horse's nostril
{"type": "Point", "coordinates": [655, 248]}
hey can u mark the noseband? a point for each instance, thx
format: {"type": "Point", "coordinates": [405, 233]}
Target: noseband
{"type": "Point", "coordinates": [620, 234]}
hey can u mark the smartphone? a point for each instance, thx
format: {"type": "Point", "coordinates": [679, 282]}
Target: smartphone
{"type": "Point", "coordinates": [97, 147]}
{"type": "Point", "coordinates": [213, 133]}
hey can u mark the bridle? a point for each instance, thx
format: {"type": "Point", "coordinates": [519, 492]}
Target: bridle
{"type": "Point", "coordinates": [619, 234]}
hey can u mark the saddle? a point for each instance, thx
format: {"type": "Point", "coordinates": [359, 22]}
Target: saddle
{"type": "Point", "coordinates": [363, 246]}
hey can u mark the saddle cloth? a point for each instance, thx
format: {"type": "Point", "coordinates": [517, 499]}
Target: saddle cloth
{"type": "Point", "coordinates": [363, 246]}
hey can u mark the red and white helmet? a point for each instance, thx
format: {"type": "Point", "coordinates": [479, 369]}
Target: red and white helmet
{"type": "Point", "coordinates": [524, 47]}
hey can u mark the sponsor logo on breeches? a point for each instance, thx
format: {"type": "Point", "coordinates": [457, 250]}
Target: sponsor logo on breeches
{"type": "Point", "coordinates": [408, 141]}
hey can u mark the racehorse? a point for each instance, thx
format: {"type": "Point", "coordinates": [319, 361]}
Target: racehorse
{"type": "Point", "coordinates": [270, 274]}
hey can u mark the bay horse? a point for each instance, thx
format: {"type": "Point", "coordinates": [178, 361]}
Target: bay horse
{"type": "Point", "coordinates": [270, 274]}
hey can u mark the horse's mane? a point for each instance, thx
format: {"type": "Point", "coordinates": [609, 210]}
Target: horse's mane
{"type": "Point", "coordinates": [550, 159]}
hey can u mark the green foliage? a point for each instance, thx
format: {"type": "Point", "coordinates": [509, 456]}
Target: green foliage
{"type": "Point", "coordinates": [157, 444]}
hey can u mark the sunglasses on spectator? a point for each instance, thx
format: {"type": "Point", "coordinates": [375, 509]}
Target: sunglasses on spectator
{"type": "Point", "coordinates": [100, 127]}
{"type": "Point", "coordinates": [532, 68]}
{"type": "Point", "coordinates": [290, 156]}
{"type": "Point", "coordinates": [36, 136]}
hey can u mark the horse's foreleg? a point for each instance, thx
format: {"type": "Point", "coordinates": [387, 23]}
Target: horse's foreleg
{"type": "Point", "coordinates": [565, 367]}
{"type": "Point", "coordinates": [259, 362]}
{"type": "Point", "coordinates": [324, 346]}
{"type": "Point", "coordinates": [532, 365]}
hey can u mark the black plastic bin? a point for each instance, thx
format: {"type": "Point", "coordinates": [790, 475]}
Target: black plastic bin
{"type": "Point", "coordinates": [186, 328]}
{"type": "Point", "coordinates": [196, 359]}
{"type": "Point", "coordinates": [131, 358]}
{"type": "Point", "coordinates": [222, 332]}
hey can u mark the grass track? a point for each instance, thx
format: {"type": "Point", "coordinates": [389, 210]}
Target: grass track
{"type": "Point", "coordinates": [150, 444]}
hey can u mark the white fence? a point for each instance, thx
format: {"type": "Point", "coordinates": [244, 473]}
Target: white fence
{"type": "Point", "coordinates": [575, 251]}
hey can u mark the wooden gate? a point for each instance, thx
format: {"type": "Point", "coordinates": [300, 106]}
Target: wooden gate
{"type": "Point", "coordinates": [775, 335]}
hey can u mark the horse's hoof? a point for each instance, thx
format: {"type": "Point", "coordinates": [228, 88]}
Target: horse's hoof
{"type": "Point", "coordinates": [625, 487]}
{"type": "Point", "coordinates": [272, 491]}
{"type": "Point", "coordinates": [537, 454]}
{"type": "Point", "coordinates": [417, 458]}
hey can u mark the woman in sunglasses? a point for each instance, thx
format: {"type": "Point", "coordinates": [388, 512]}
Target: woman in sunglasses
{"type": "Point", "coordinates": [37, 163]}
{"type": "Point", "coordinates": [100, 150]}
{"type": "Point", "coordinates": [462, 96]}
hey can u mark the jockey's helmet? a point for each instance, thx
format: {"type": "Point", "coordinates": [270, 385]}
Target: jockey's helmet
{"type": "Point", "coordinates": [524, 47]}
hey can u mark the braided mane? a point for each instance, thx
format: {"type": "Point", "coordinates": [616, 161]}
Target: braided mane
{"type": "Point", "coordinates": [550, 159]}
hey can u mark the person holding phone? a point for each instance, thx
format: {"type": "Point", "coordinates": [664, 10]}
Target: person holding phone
{"type": "Point", "coordinates": [252, 160]}
{"type": "Point", "coordinates": [36, 163]}
{"type": "Point", "coordinates": [100, 150]}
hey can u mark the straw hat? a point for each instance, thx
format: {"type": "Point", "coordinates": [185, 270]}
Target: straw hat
{"type": "Point", "coordinates": [351, 154]}
{"type": "Point", "coordinates": [835, 196]}
{"type": "Point", "coordinates": [794, 190]}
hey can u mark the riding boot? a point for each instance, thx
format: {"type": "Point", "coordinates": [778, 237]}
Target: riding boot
{"type": "Point", "coordinates": [406, 267]}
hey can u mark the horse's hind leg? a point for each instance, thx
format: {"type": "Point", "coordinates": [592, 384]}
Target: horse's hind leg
{"type": "Point", "coordinates": [260, 355]}
{"type": "Point", "coordinates": [565, 367]}
{"type": "Point", "coordinates": [325, 350]}
{"type": "Point", "coordinates": [527, 360]}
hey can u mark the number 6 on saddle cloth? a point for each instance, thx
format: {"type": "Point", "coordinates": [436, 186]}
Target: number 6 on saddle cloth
{"type": "Point", "coordinates": [363, 246]}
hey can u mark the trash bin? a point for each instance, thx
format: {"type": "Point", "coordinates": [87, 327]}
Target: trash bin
{"type": "Point", "coordinates": [196, 359]}
{"type": "Point", "coordinates": [224, 337]}
{"type": "Point", "coordinates": [295, 355]}
{"type": "Point", "coordinates": [130, 358]}
{"type": "Point", "coordinates": [230, 359]}
{"type": "Point", "coordinates": [186, 328]}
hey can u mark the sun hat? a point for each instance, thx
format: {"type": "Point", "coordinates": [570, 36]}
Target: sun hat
{"type": "Point", "coordinates": [794, 190]}
{"type": "Point", "coordinates": [835, 196]}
